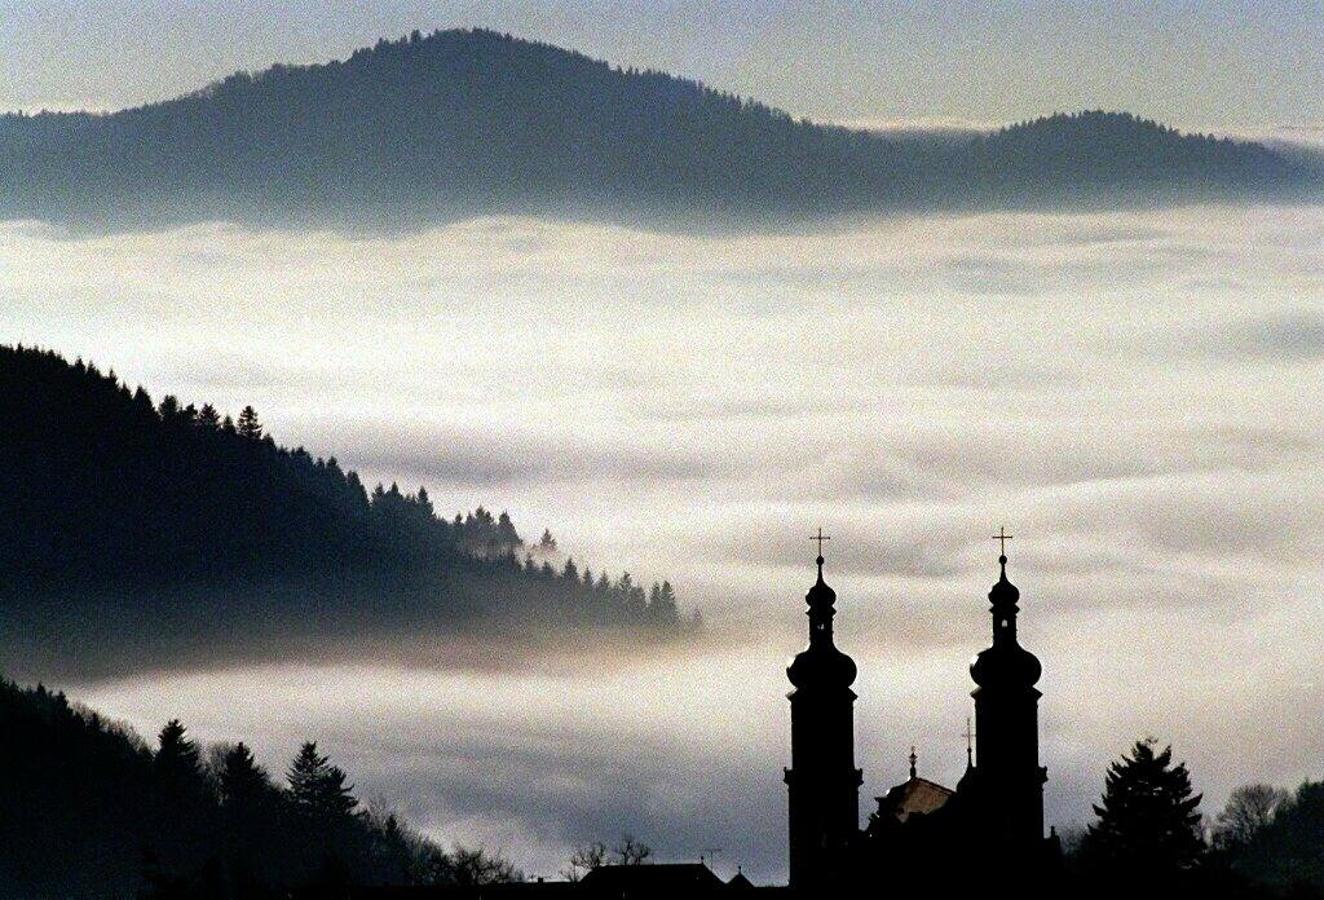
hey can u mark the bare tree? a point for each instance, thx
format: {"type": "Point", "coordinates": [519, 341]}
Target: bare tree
{"type": "Point", "coordinates": [1249, 810]}
{"type": "Point", "coordinates": [631, 851]}
{"type": "Point", "coordinates": [470, 867]}
{"type": "Point", "coordinates": [584, 860]}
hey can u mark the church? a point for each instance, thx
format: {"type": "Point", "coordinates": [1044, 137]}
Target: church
{"type": "Point", "coordinates": [988, 828]}
{"type": "Point", "coordinates": [986, 832]}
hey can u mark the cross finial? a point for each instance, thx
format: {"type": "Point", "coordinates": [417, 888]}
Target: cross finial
{"type": "Point", "coordinates": [1002, 537]}
{"type": "Point", "coordinates": [969, 736]}
{"type": "Point", "coordinates": [820, 537]}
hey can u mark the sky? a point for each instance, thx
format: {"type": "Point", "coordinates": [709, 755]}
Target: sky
{"type": "Point", "coordinates": [1133, 394]}
{"type": "Point", "coordinates": [1229, 66]}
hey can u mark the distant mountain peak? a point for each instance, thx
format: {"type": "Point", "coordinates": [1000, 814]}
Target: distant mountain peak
{"type": "Point", "coordinates": [464, 122]}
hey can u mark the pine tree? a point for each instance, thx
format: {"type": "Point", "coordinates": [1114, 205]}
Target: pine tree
{"type": "Point", "coordinates": [248, 424]}
{"type": "Point", "coordinates": [670, 611]}
{"type": "Point", "coordinates": [208, 419]}
{"type": "Point", "coordinates": [169, 408]}
{"type": "Point", "coordinates": [1149, 820]}
{"type": "Point", "coordinates": [176, 759]}
{"type": "Point", "coordinates": [242, 780]}
{"type": "Point", "coordinates": [177, 766]}
{"type": "Point", "coordinates": [316, 786]}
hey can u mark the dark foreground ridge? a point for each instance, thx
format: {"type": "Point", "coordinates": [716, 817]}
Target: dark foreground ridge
{"type": "Point", "coordinates": [461, 123]}
{"type": "Point", "coordinates": [91, 811]}
{"type": "Point", "coordinates": [144, 534]}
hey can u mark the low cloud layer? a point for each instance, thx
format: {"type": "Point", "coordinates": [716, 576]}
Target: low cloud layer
{"type": "Point", "coordinates": [1135, 395]}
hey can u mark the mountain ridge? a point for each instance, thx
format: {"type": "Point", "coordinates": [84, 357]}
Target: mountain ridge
{"type": "Point", "coordinates": [142, 535]}
{"type": "Point", "coordinates": [464, 123]}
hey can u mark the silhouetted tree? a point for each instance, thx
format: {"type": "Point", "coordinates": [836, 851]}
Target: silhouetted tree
{"type": "Point", "coordinates": [1148, 819]}
{"type": "Point", "coordinates": [630, 851]}
{"type": "Point", "coordinates": [316, 786]}
{"type": "Point", "coordinates": [584, 860]}
{"type": "Point", "coordinates": [177, 760]}
{"type": "Point", "coordinates": [1287, 851]}
{"type": "Point", "coordinates": [241, 779]}
{"type": "Point", "coordinates": [1250, 809]}
{"type": "Point", "coordinates": [208, 419]}
{"type": "Point", "coordinates": [248, 425]}
{"type": "Point", "coordinates": [468, 867]}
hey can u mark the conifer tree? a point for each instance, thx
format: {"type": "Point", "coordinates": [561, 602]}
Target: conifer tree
{"type": "Point", "coordinates": [169, 408]}
{"type": "Point", "coordinates": [316, 786]}
{"type": "Point", "coordinates": [667, 599]}
{"type": "Point", "coordinates": [176, 760]}
{"type": "Point", "coordinates": [208, 419]}
{"type": "Point", "coordinates": [248, 424]}
{"type": "Point", "coordinates": [242, 780]}
{"type": "Point", "coordinates": [1149, 819]}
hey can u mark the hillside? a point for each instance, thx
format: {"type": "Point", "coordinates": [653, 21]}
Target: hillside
{"type": "Point", "coordinates": [462, 123]}
{"type": "Point", "coordinates": [146, 535]}
{"type": "Point", "coordinates": [91, 811]}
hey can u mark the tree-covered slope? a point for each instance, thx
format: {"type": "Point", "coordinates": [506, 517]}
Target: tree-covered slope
{"type": "Point", "coordinates": [88, 809]}
{"type": "Point", "coordinates": [165, 531]}
{"type": "Point", "coordinates": [460, 123]}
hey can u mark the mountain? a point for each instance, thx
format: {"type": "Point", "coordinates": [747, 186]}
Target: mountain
{"type": "Point", "coordinates": [91, 811]}
{"type": "Point", "coordinates": [142, 535]}
{"type": "Point", "coordinates": [462, 123]}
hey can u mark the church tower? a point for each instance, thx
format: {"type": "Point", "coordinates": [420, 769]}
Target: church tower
{"type": "Point", "coordinates": [823, 784]}
{"type": "Point", "coordinates": [1011, 781]}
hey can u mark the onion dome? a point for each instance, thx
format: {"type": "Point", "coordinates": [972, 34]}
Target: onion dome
{"type": "Point", "coordinates": [1004, 594]}
{"type": "Point", "coordinates": [1006, 663]}
{"type": "Point", "coordinates": [821, 664]}
{"type": "Point", "coordinates": [820, 596]}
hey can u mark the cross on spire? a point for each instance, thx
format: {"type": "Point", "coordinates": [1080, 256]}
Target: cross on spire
{"type": "Point", "coordinates": [1002, 537]}
{"type": "Point", "coordinates": [820, 537]}
{"type": "Point", "coordinates": [969, 735]}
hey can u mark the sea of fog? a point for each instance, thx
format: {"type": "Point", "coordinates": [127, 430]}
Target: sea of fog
{"type": "Point", "coordinates": [1136, 396]}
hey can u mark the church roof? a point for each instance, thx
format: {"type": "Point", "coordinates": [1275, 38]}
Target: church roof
{"type": "Point", "coordinates": [918, 796]}
{"type": "Point", "coordinates": [652, 877]}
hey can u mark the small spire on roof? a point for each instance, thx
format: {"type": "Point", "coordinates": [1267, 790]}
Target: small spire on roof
{"type": "Point", "coordinates": [914, 758]}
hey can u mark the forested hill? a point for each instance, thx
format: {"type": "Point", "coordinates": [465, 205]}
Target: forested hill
{"type": "Point", "coordinates": [148, 534]}
{"type": "Point", "coordinates": [91, 811]}
{"type": "Point", "coordinates": [459, 123]}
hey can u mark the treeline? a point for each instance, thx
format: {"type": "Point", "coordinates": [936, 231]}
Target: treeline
{"type": "Point", "coordinates": [159, 518]}
{"type": "Point", "coordinates": [459, 123]}
{"type": "Point", "coordinates": [90, 810]}
{"type": "Point", "coordinates": [1150, 836]}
